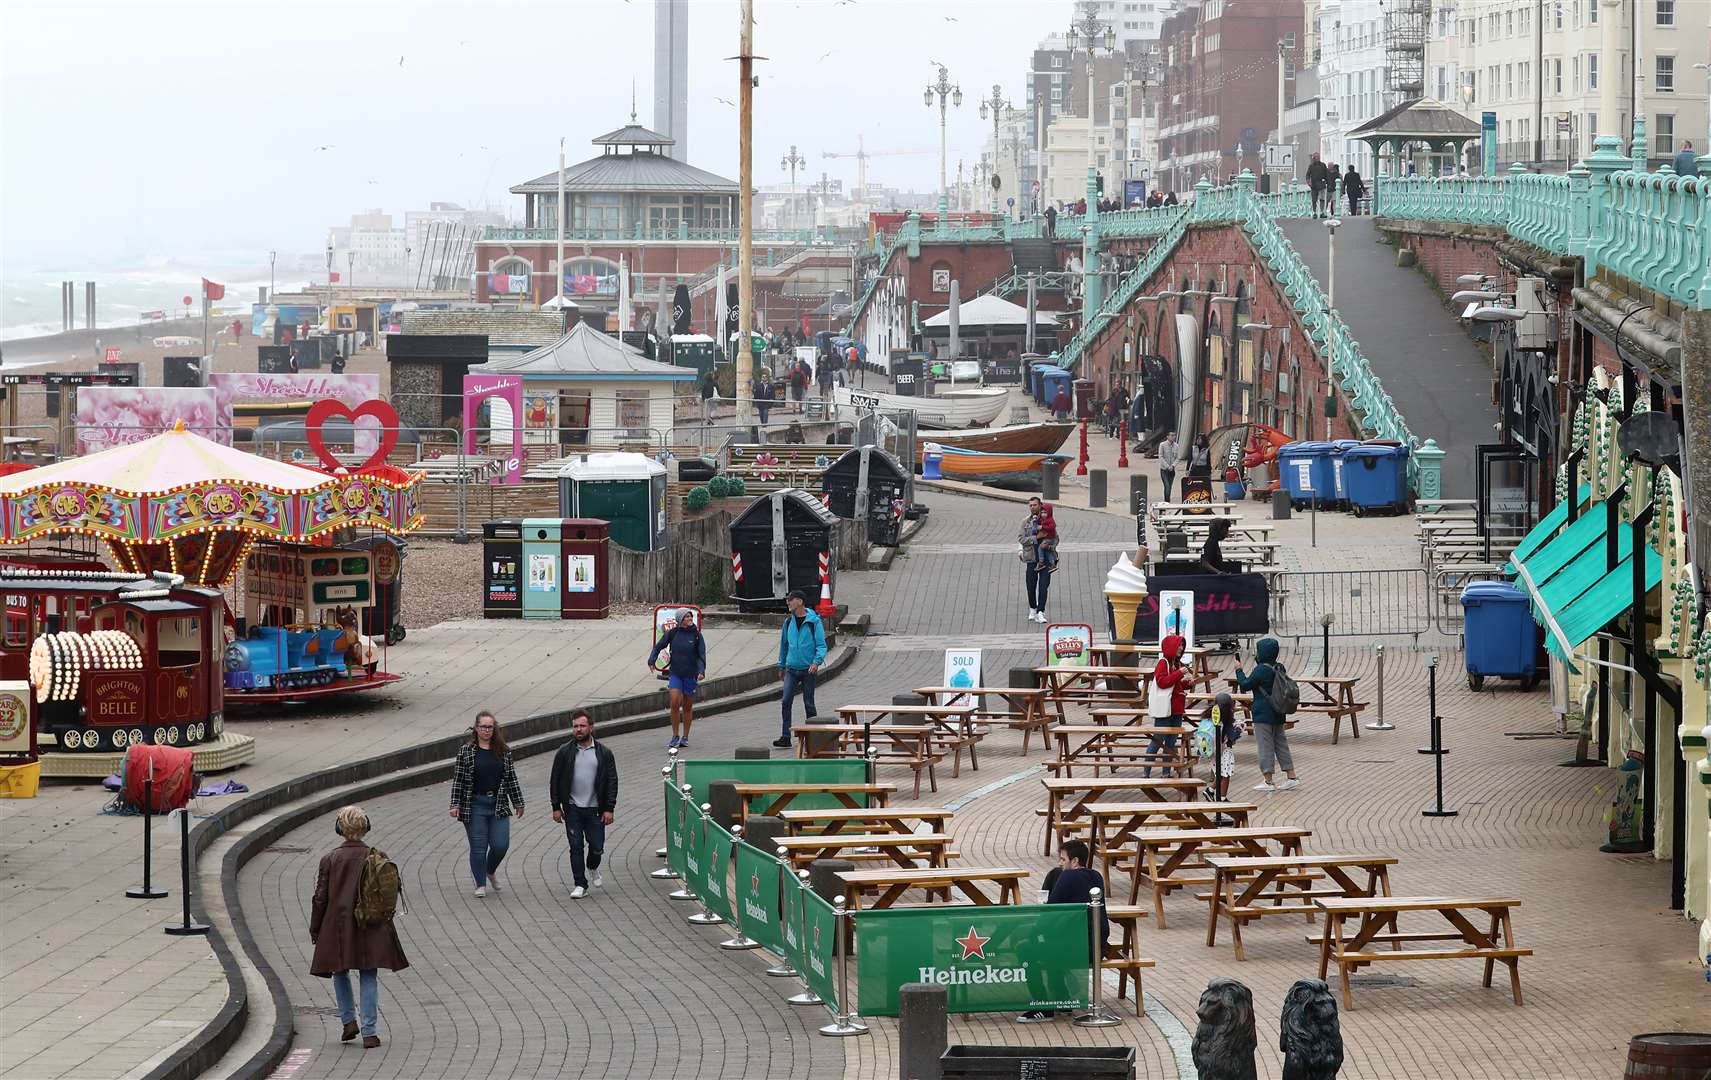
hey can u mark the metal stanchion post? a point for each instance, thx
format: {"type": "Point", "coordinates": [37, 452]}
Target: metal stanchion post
{"type": "Point", "coordinates": [705, 917]}
{"type": "Point", "coordinates": [1437, 748]}
{"type": "Point", "coordinates": [1314, 541]}
{"type": "Point", "coordinates": [807, 996]}
{"type": "Point", "coordinates": [1325, 621]}
{"type": "Point", "coordinates": [871, 753]}
{"type": "Point", "coordinates": [684, 893]}
{"type": "Point", "coordinates": [739, 940]}
{"type": "Point", "coordinates": [147, 891]}
{"type": "Point", "coordinates": [186, 928]}
{"type": "Point", "coordinates": [665, 873]}
{"type": "Point", "coordinates": [783, 970]}
{"type": "Point", "coordinates": [1379, 724]}
{"type": "Point", "coordinates": [844, 1020]}
{"type": "Point", "coordinates": [1097, 1015]}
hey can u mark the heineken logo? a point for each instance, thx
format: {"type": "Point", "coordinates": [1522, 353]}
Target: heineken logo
{"type": "Point", "coordinates": [973, 944]}
{"type": "Point", "coordinates": [756, 912]}
{"type": "Point", "coordinates": [815, 963]}
{"type": "Point", "coordinates": [754, 884]}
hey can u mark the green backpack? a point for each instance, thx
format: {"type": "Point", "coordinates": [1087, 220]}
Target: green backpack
{"type": "Point", "coordinates": [378, 890]}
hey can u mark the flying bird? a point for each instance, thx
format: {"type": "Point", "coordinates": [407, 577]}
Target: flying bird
{"type": "Point", "coordinates": [400, 61]}
{"type": "Point", "coordinates": [723, 101]}
{"type": "Point", "coordinates": [329, 146]}
{"type": "Point", "coordinates": [950, 18]}
{"type": "Point", "coordinates": [827, 53]}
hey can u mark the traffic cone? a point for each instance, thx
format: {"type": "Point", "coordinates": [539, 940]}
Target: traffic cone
{"type": "Point", "coordinates": [825, 609]}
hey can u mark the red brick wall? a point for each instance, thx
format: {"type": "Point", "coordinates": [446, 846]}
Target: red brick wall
{"type": "Point", "coordinates": [973, 266]}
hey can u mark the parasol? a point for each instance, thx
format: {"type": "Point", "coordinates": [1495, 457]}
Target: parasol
{"type": "Point", "coordinates": [184, 503]}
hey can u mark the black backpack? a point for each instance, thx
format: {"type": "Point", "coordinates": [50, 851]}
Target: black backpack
{"type": "Point", "coordinates": [1284, 695]}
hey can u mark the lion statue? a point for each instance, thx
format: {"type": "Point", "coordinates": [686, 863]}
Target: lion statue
{"type": "Point", "coordinates": [1224, 1042]}
{"type": "Point", "coordinates": [1310, 1039]}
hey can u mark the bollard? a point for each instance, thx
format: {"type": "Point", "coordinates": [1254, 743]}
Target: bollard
{"type": "Point", "coordinates": [1137, 495]}
{"type": "Point", "coordinates": [705, 917]}
{"type": "Point", "coordinates": [186, 928]}
{"type": "Point", "coordinates": [782, 969]}
{"type": "Point", "coordinates": [799, 880]}
{"type": "Point", "coordinates": [1049, 472]}
{"type": "Point", "coordinates": [1437, 748]}
{"type": "Point", "coordinates": [726, 804]}
{"type": "Point", "coordinates": [147, 891]}
{"type": "Point", "coordinates": [1380, 725]}
{"type": "Point", "coordinates": [1281, 505]}
{"type": "Point", "coordinates": [1095, 488]}
{"type": "Point", "coordinates": [665, 873]}
{"type": "Point", "coordinates": [844, 1022]}
{"type": "Point", "coordinates": [823, 877]}
{"type": "Point", "coordinates": [923, 1030]}
{"type": "Point", "coordinates": [1097, 1015]}
{"type": "Point", "coordinates": [1313, 540]}
{"type": "Point", "coordinates": [739, 940]}
{"type": "Point", "coordinates": [817, 745]}
{"type": "Point", "coordinates": [764, 830]}
{"type": "Point", "coordinates": [684, 893]}
{"type": "Point", "coordinates": [753, 753]}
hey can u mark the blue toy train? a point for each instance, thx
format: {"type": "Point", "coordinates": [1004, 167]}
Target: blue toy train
{"type": "Point", "coordinates": [279, 658]}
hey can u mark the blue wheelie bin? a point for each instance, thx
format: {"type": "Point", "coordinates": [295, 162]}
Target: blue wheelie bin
{"type": "Point", "coordinates": [1339, 447]}
{"type": "Point", "coordinates": [1375, 477]}
{"type": "Point", "coordinates": [1306, 471]}
{"type": "Point", "coordinates": [1499, 635]}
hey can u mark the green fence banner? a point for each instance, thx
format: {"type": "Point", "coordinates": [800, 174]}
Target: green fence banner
{"type": "Point", "coordinates": [694, 849]}
{"type": "Point", "coordinates": [791, 920]}
{"type": "Point", "coordinates": [716, 871]}
{"type": "Point", "coordinates": [819, 940]}
{"type": "Point", "coordinates": [757, 884]}
{"type": "Point", "coordinates": [677, 823]}
{"type": "Point", "coordinates": [698, 774]}
{"type": "Point", "coordinates": [989, 959]}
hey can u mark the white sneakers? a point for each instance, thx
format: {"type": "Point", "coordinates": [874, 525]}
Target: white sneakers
{"type": "Point", "coordinates": [1036, 616]}
{"type": "Point", "coordinates": [594, 881]}
{"type": "Point", "coordinates": [1286, 784]}
{"type": "Point", "coordinates": [578, 893]}
{"type": "Point", "coordinates": [481, 892]}
{"type": "Point", "coordinates": [1264, 785]}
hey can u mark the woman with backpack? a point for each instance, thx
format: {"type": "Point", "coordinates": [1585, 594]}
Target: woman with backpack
{"type": "Point", "coordinates": [350, 924]}
{"type": "Point", "coordinates": [485, 794]}
{"type": "Point", "coordinates": [1271, 686]}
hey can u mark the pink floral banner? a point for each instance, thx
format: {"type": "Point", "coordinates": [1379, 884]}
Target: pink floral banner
{"type": "Point", "coordinates": [109, 416]}
{"type": "Point", "coordinates": [353, 390]}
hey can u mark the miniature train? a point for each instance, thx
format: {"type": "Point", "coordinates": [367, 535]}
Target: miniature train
{"type": "Point", "coordinates": [302, 623]}
{"type": "Point", "coordinates": [286, 658]}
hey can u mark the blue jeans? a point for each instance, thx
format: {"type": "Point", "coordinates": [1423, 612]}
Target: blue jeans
{"type": "Point", "coordinates": [1160, 743]}
{"type": "Point", "coordinates": [489, 837]}
{"type": "Point", "coordinates": [798, 679]}
{"type": "Point", "coordinates": [582, 825]}
{"type": "Point", "coordinates": [368, 984]}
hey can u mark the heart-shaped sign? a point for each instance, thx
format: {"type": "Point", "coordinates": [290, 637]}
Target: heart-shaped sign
{"type": "Point", "coordinates": [327, 408]}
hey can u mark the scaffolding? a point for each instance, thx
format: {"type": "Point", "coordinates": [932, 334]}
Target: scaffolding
{"type": "Point", "coordinates": [1405, 25]}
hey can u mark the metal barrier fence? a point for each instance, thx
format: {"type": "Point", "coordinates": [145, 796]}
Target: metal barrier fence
{"type": "Point", "coordinates": [1357, 603]}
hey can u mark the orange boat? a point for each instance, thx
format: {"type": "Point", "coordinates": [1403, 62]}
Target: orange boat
{"type": "Point", "coordinates": [975, 467]}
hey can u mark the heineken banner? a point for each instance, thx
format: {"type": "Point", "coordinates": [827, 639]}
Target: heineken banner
{"type": "Point", "coordinates": [692, 834]}
{"type": "Point", "coordinates": [990, 959]}
{"type": "Point", "coordinates": [698, 774]}
{"type": "Point", "coordinates": [677, 824]}
{"type": "Point", "coordinates": [819, 940]}
{"type": "Point", "coordinates": [791, 920]}
{"type": "Point", "coordinates": [715, 888]}
{"type": "Point", "coordinates": [757, 895]}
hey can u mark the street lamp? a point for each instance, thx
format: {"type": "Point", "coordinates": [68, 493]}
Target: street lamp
{"type": "Point", "coordinates": [994, 105]}
{"type": "Point", "coordinates": [271, 256]}
{"type": "Point", "coordinates": [943, 88]}
{"type": "Point", "coordinates": [1331, 270]}
{"type": "Point", "coordinates": [793, 161]}
{"type": "Point", "coordinates": [1092, 33]}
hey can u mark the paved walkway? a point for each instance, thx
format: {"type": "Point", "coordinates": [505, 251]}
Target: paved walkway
{"type": "Point", "coordinates": [1430, 367]}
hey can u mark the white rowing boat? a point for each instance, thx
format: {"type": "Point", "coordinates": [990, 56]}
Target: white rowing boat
{"type": "Point", "coordinates": [973, 407]}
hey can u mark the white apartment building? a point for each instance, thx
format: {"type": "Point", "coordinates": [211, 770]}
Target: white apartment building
{"type": "Point", "coordinates": [1556, 86]}
{"type": "Point", "coordinates": [1066, 158]}
{"type": "Point", "coordinates": [1352, 75]}
{"type": "Point", "coordinates": [1010, 159]}
{"type": "Point", "coordinates": [1133, 20]}
{"type": "Point", "coordinates": [369, 251]}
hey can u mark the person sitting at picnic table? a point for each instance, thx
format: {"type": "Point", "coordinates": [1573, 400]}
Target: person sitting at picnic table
{"type": "Point", "coordinates": [1072, 882]}
{"type": "Point", "coordinates": [1212, 552]}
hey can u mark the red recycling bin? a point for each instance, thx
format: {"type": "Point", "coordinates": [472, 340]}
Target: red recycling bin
{"type": "Point", "coordinates": [1084, 404]}
{"type": "Point", "coordinates": [586, 548]}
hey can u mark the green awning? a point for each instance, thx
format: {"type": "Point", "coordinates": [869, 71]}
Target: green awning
{"type": "Point", "coordinates": [1548, 526]}
{"type": "Point", "coordinates": [1574, 590]}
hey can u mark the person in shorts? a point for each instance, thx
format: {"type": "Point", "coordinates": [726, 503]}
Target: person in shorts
{"type": "Point", "coordinates": [686, 650]}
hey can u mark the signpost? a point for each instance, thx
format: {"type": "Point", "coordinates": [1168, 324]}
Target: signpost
{"type": "Point", "coordinates": [963, 668]}
{"type": "Point", "coordinates": [1280, 158]}
{"type": "Point", "coordinates": [1069, 644]}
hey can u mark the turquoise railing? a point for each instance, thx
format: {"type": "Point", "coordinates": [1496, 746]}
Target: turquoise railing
{"type": "Point", "coordinates": [1130, 287]}
{"type": "Point", "coordinates": [1652, 228]}
{"type": "Point", "coordinates": [678, 233]}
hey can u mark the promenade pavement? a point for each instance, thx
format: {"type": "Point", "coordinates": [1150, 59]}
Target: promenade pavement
{"type": "Point", "coordinates": [91, 987]}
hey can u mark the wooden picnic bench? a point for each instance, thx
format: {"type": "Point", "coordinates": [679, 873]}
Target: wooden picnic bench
{"type": "Point", "coordinates": [1089, 684]}
{"type": "Point", "coordinates": [1376, 923]}
{"type": "Point", "coordinates": [1027, 707]}
{"type": "Point", "coordinates": [890, 885]}
{"type": "Point", "coordinates": [1124, 954]}
{"type": "Point", "coordinates": [828, 822]}
{"type": "Point", "coordinates": [1198, 657]}
{"type": "Point", "coordinates": [1112, 824]}
{"type": "Point", "coordinates": [769, 799]}
{"type": "Point", "coordinates": [954, 722]}
{"type": "Point", "coordinates": [1336, 700]}
{"type": "Point", "coordinates": [908, 850]}
{"type": "Point", "coordinates": [1240, 884]}
{"type": "Point", "coordinates": [1068, 797]}
{"type": "Point", "coordinates": [1113, 747]}
{"type": "Point", "coordinates": [1166, 858]}
{"type": "Point", "coordinates": [913, 745]}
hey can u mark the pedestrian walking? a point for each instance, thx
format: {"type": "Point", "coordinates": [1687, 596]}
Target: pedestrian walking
{"type": "Point", "coordinates": [350, 925]}
{"type": "Point", "coordinates": [709, 390]}
{"type": "Point", "coordinates": [1051, 223]}
{"type": "Point", "coordinates": [823, 377]}
{"type": "Point", "coordinates": [801, 651]}
{"type": "Point", "coordinates": [1355, 188]}
{"type": "Point", "coordinates": [1168, 452]}
{"type": "Point", "coordinates": [1061, 403]}
{"type": "Point", "coordinates": [798, 383]}
{"type": "Point", "coordinates": [1072, 882]}
{"type": "Point", "coordinates": [1039, 540]}
{"type": "Point", "coordinates": [686, 666]}
{"type": "Point", "coordinates": [1269, 721]}
{"type": "Point", "coordinates": [1167, 697]}
{"type": "Point", "coordinates": [1113, 413]}
{"type": "Point", "coordinates": [1333, 189]}
{"type": "Point", "coordinates": [852, 362]}
{"type": "Point", "coordinates": [1685, 163]}
{"type": "Point", "coordinates": [1317, 178]}
{"type": "Point", "coordinates": [584, 792]}
{"type": "Point", "coordinates": [1200, 459]}
{"type": "Point", "coordinates": [762, 395]}
{"type": "Point", "coordinates": [485, 796]}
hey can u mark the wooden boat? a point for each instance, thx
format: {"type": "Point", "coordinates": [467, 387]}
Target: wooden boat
{"type": "Point", "coordinates": [974, 407]}
{"type": "Point", "coordinates": [1042, 438]}
{"type": "Point", "coordinates": [976, 467]}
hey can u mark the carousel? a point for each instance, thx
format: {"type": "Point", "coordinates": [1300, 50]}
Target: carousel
{"type": "Point", "coordinates": [183, 520]}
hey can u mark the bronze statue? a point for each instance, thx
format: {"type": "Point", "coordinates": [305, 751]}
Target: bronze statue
{"type": "Point", "coordinates": [1224, 1042]}
{"type": "Point", "coordinates": [1310, 1039]}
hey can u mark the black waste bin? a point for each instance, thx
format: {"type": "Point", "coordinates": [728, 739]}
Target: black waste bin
{"type": "Point", "coordinates": [502, 570]}
{"type": "Point", "coordinates": [776, 546]}
{"type": "Point", "coordinates": [906, 374]}
{"type": "Point", "coordinates": [384, 619]}
{"type": "Point", "coordinates": [887, 481]}
{"type": "Point", "coordinates": [1115, 1062]}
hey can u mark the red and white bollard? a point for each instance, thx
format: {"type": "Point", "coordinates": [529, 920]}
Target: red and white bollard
{"type": "Point", "coordinates": [1123, 443]}
{"type": "Point", "coordinates": [825, 608]}
{"type": "Point", "coordinates": [1081, 465]}
{"type": "Point", "coordinates": [737, 566]}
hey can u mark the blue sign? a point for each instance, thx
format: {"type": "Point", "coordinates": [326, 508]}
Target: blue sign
{"type": "Point", "coordinates": [1488, 142]}
{"type": "Point", "coordinates": [1134, 193]}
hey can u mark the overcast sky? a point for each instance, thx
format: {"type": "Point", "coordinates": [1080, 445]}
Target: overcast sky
{"type": "Point", "coordinates": [192, 127]}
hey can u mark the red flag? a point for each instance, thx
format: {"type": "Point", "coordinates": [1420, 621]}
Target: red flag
{"type": "Point", "coordinates": [213, 291]}
{"type": "Point", "coordinates": [333, 278]}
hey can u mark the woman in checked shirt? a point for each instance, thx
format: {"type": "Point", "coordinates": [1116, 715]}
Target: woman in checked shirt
{"type": "Point", "coordinates": [485, 795]}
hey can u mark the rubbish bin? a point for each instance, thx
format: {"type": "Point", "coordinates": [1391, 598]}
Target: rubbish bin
{"type": "Point", "coordinates": [1375, 478]}
{"type": "Point", "coordinates": [994, 1062]}
{"type": "Point", "coordinates": [932, 454]}
{"type": "Point", "coordinates": [502, 569]}
{"type": "Point", "coordinates": [543, 592]}
{"type": "Point", "coordinates": [1037, 381]}
{"type": "Point", "coordinates": [1339, 447]}
{"type": "Point", "coordinates": [1306, 471]}
{"type": "Point", "coordinates": [1083, 390]}
{"type": "Point", "coordinates": [627, 490]}
{"type": "Point", "coordinates": [1499, 635]}
{"type": "Point", "coordinates": [384, 618]}
{"type": "Point", "coordinates": [776, 546]}
{"type": "Point", "coordinates": [1050, 380]}
{"type": "Point", "coordinates": [886, 480]}
{"type": "Point", "coordinates": [585, 547]}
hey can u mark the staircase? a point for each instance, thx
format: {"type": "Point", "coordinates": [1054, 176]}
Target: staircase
{"type": "Point", "coordinates": [1034, 253]}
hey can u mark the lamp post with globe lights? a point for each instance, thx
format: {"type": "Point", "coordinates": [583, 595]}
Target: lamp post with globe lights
{"type": "Point", "coordinates": [995, 105]}
{"type": "Point", "coordinates": [793, 161]}
{"type": "Point", "coordinates": [948, 94]}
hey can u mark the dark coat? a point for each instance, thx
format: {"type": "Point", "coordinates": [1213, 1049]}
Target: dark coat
{"type": "Point", "coordinates": [605, 777]}
{"type": "Point", "coordinates": [339, 944]}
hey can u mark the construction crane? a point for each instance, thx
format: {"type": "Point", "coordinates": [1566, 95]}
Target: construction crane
{"type": "Point", "coordinates": [861, 153]}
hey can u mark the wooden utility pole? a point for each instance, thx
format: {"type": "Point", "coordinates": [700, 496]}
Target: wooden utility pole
{"type": "Point", "coordinates": [745, 218]}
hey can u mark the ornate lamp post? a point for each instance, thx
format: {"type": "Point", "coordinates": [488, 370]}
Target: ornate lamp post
{"type": "Point", "coordinates": [994, 105]}
{"type": "Point", "coordinates": [793, 161]}
{"type": "Point", "coordinates": [953, 95]}
{"type": "Point", "coordinates": [1090, 33]}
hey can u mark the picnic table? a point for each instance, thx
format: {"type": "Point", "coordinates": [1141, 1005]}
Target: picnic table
{"type": "Point", "coordinates": [769, 799]}
{"type": "Point", "coordinates": [1027, 706]}
{"type": "Point", "coordinates": [1163, 855]}
{"type": "Point", "coordinates": [1375, 922]}
{"type": "Point", "coordinates": [1111, 747]}
{"type": "Point", "coordinates": [1112, 825]}
{"type": "Point", "coordinates": [902, 821]}
{"type": "Point", "coordinates": [906, 744]}
{"type": "Point", "coordinates": [1198, 654]}
{"type": "Point", "coordinates": [954, 722]}
{"type": "Point", "coordinates": [890, 885]}
{"type": "Point", "coordinates": [1240, 883]}
{"type": "Point", "coordinates": [908, 850]}
{"type": "Point", "coordinates": [1124, 954]}
{"type": "Point", "coordinates": [1082, 793]}
{"type": "Point", "coordinates": [1337, 700]}
{"type": "Point", "coordinates": [1080, 683]}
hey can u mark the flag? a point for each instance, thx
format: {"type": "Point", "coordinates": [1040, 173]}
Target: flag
{"type": "Point", "coordinates": [332, 277]}
{"type": "Point", "coordinates": [212, 290]}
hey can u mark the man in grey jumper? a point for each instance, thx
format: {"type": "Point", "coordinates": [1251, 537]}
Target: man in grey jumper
{"type": "Point", "coordinates": [1167, 452]}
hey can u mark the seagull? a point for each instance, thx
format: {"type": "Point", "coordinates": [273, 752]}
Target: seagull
{"type": "Point", "coordinates": [400, 61]}
{"type": "Point", "coordinates": [950, 18]}
{"type": "Point", "coordinates": [329, 146]}
{"type": "Point", "coordinates": [723, 101]}
{"type": "Point", "coordinates": [827, 53]}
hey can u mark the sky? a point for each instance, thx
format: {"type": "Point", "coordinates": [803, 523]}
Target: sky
{"type": "Point", "coordinates": [180, 128]}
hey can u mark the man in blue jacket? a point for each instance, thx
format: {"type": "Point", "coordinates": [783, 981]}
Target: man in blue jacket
{"type": "Point", "coordinates": [686, 668]}
{"type": "Point", "coordinates": [801, 651]}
